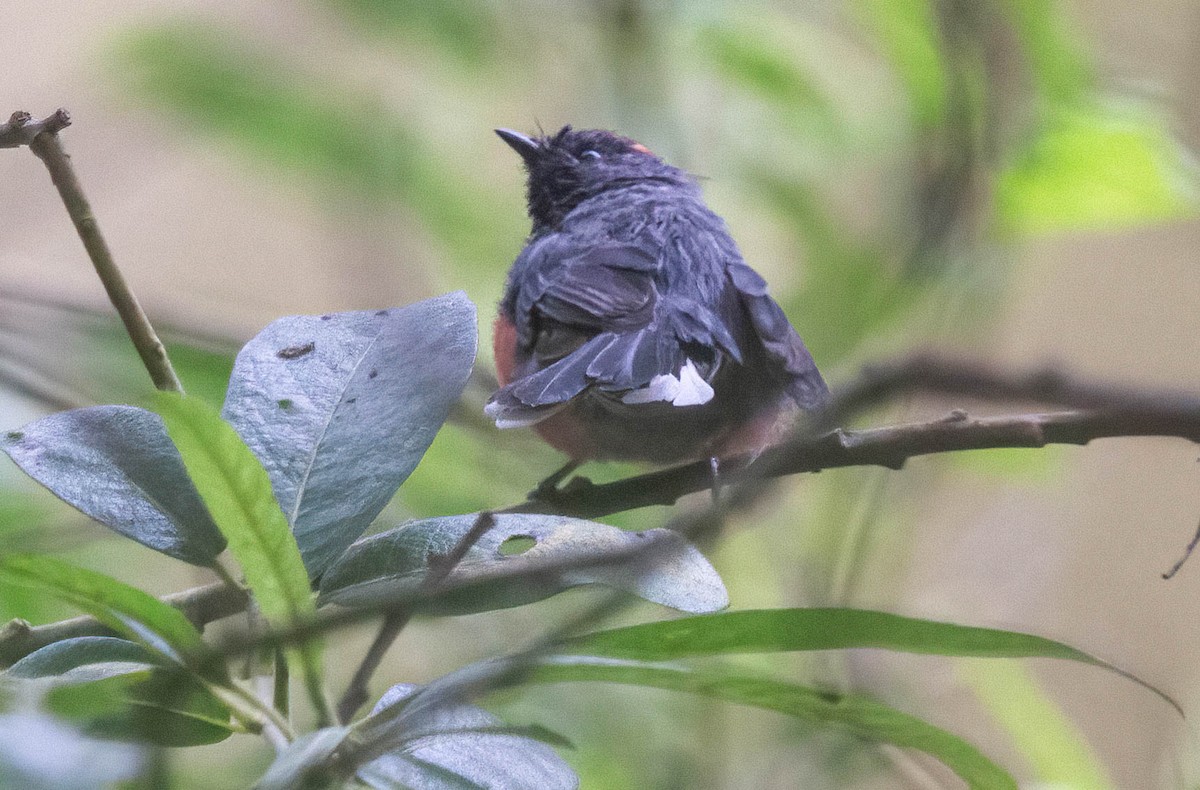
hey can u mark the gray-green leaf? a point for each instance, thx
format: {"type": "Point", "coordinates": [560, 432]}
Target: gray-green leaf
{"type": "Point", "coordinates": [552, 554]}
{"type": "Point", "coordinates": [117, 465]}
{"type": "Point", "coordinates": [119, 688]}
{"type": "Point", "coordinates": [457, 746]}
{"type": "Point", "coordinates": [340, 408]}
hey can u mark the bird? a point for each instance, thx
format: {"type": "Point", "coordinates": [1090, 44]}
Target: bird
{"type": "Point", "coordinates": [630, 327]}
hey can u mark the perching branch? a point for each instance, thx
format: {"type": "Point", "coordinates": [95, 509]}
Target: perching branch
{"type": "Point", "coordinates": [1127, 413]}
{"type": "Point", "coordinates": [42, 138]}
{"type": "Point", "coordinates": [1112, 412]}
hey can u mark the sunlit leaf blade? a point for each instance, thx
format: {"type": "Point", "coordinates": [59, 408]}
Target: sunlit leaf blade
{"type": "Point", "coordinates": [1097, 167]}
{"type": "Point", "coordinates": [119, 689]}
{"type": "Point", "coordinates": [859, 715]}
{"type": "Point", "coordinates": [237, 491]}
{"type": "Point", "coordinates": [775, 630]}
{"type": "Point", "coordinates": [127, 610]}
{"type": "Point", "coordinates": [340, 409]}
{"type": "Point", "coordinates": [117, 465]}
{"type": "Point", "coordinates": [523, 558]}
{"type": "Point", "coordinates": [38, 752]}
{"type": "Point", "coordinates": [457, 746]}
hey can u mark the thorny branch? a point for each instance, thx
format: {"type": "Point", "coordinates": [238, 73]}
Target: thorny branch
{"type": "Point", "coordinates": [1125, 413]}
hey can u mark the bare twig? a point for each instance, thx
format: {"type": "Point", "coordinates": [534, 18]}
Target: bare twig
{"type": "Point", "coordinates": [1187, 553]}
{"type": "Point", "coordinates": [440, 567]}
{"type": "Point", "coordinates": [42, 138]}
{"type": "Point", "coordinates": [21, 127]}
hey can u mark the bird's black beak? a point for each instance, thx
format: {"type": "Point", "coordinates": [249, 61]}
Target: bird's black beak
{"type": "Point", "coordinates": [524, 145]}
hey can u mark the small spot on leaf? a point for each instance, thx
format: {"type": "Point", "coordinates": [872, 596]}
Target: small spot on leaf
{"type": "Point", "coordinates": [373, 374]}
{"type": "Point", "coordinates": [517, 544]}
{"type": "Point", "coordinates": [285, 403]}
{"type": "Point", "coordinates": [295, 352]}
{"type": "Point", "coordinates": [351, 400]}
{"type": "Point", "coordinates": [14, 436]}
{"type": "Point", "coordinates": [326, 317]}
{"type": "Point", "coordinates": [381, 312]}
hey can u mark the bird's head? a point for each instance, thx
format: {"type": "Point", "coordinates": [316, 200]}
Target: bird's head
{"type": "Point", "coordinates": [573, 165]}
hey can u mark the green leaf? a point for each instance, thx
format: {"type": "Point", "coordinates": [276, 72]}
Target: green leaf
{"type": "Point", "coordinates": [774, 630]}
{"type": "Point", "coordinates": [1042, 733]}
{"type": "Point", "coordinates": [237, 491]}
{"type": "Point", "coordinates": [859, 715]}
{"type": "Point", "coordinates": [127, 610]}
{"type": "Point", "coordinates": [299, 765]}
{"type": "Point", "coordinates": [465, 29]}
{"type": "Point", "coordinates": [758, 58]}
{"type": "Point", "coordinates": [455, 745]}
{"type": "Point", "coordinates": [1061, 72]}
{"type": "Point", "coordinates": [119, 689]}
{"type": "Point", "coordinates": [117, 465]}
{"type": "Point", "coordinates": [908, 35]}
{"type": "Point", "coordinates": [1096, 167]}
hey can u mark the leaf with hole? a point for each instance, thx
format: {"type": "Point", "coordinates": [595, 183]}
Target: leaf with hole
{"type": "Point", "coordinates": [118, 466]}
{"type": "Point", "coordinates": [340, 408]}
{"type": "Point", "coordinates": [523, 558]}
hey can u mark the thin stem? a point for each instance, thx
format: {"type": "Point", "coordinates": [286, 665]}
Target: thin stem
{"type": "Point", "coordinates": [356, 692]}
{"type": "Point", "coordinates": [49, 149]}
{"type": "Point", "coordinates": [246, 706]}
{"type": "Point", "coordinates": [314, 684]}
{"type": "Point", "coordinates": [281, 697]}
{"type": "Point", "coordinates": [440, 567]}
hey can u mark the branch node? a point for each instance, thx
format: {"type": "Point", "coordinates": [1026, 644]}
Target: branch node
{"type": "Point", "coordinates": [22, 128]}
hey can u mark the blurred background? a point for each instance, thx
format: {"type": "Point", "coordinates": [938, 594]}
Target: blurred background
{"type": "Point", "coordinates": [1009, 180]}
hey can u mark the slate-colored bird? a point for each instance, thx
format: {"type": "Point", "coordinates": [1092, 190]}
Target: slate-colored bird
{"type": "Point", "coordinates": [630, 326]}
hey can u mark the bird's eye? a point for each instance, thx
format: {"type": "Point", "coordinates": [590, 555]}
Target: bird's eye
{"type": "Point", "coordinates": [590, 154]}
